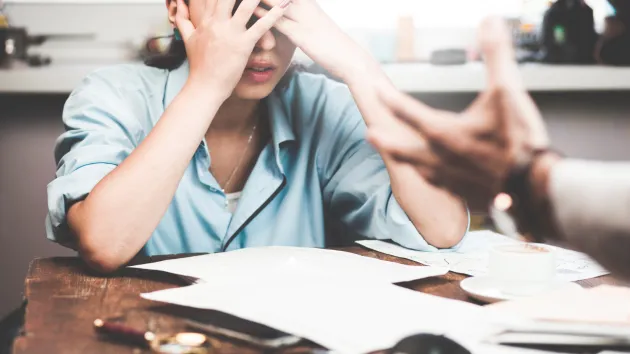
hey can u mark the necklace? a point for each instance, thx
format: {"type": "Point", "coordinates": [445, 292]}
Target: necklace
{"type": "Point", "coordinates": [240, 160]}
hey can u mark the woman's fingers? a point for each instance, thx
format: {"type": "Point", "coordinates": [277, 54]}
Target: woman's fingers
{"type": "Point", "coordinates": [208, 11]}
{"type": "Point", "coordinates": [182, 21]}
{"type": "Point", "coordinates": [224, 9]}
{"type": "Point", "coordinates": [271, 18]}
{"type": "Point", "coordinates": [283, 24]}
{"type": "Point", "coordinates": [269, 4]}
{"type": "Point", "coordinates": [245, 11]}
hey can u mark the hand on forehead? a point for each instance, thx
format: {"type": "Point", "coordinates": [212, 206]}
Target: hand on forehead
{"type": "Point", "coordinates": [200, 7]}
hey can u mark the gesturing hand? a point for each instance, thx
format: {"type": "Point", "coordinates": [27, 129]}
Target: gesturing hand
{"type": "Point", "coordinates": [219, 47]}
{"type": "Point", "coordinates": [472, 153]}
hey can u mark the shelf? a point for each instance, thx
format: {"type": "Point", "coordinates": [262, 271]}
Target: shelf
{"type": "Point", "coordinates": [412, 78]}
{"type": "Point", "coordinates": [61, 79]}
{"type": "Point", "coordinates": [417, 78]}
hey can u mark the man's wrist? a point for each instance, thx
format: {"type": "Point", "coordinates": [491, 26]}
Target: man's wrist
{"type": "Point", "coordinates": [540, 203]}
{"type": "Point", "coordinates": [527, 185]}
{"type": "Point", "coordinates": [540, 175]}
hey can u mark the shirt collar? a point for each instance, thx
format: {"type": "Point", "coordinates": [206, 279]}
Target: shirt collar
{"type": "Point", "coordinates": [281, 128]}
{"type": "Point", "coordinates": [175, 81]}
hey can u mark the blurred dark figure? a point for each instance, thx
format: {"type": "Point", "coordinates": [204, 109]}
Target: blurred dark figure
{"type": "Point", "coordinates": [613, 48]}
{"type": "Point", "coordinates": [10, 328]}
{"type": "Point", "coordinates": [568, 33]}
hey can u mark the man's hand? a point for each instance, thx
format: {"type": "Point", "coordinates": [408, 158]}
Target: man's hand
{"type": "Point", "coordinates": [471, 153]}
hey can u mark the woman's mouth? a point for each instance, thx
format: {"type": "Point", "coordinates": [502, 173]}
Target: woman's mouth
{"type": "Point", "coordinates": [259, 74]}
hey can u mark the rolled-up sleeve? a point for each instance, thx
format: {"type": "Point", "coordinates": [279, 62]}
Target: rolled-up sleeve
{"type": "Point", "coordinates": [356, 185]}
{"type": "Point", "coordinates": [100, 132]}
{"type": "Point", "coordinates": [591, 204]}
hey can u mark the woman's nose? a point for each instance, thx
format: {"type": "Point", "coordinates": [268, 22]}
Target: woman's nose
{"type": "Point", "coordinates": [267, 42]}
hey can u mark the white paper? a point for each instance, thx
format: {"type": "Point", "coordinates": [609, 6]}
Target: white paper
{"type": "Point", "coordinates": [347, 318]}
{"type": "Point", "coordinates": [471, 257]}
{"type": "Point", "coordinates": [356, 318]}
{"type": "Point", "coordinates": [340, 300]}
{"type": "Point", "coordinates": [279, 262]}
{"type": "Point", "coordinates": [345, 302]}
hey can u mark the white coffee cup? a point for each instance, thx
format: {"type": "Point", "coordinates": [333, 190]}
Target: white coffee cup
{"type": "Point", "coordinates": [522, 269]}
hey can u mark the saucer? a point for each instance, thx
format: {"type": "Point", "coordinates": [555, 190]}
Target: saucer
{"type": "Point", "coordinates": [486, 289]}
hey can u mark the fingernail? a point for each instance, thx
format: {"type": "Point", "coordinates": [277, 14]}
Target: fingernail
{"type": "Point", "coordinates": [285, 4]}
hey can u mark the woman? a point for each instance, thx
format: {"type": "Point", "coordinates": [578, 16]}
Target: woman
{"type": "Point", "coordinates": [214, 155]}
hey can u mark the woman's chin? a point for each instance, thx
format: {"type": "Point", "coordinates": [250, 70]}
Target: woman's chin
{"type": "Point", "coordinates": [246, 91]}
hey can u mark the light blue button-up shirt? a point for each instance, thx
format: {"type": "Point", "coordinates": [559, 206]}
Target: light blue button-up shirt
{"type": "Point", "coordinates": [317, 183]}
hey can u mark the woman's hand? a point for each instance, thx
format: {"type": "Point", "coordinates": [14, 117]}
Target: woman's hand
{"type": "Point", "coordinates": [315, 33]}
{"type": "Point", "coordinates": [219, 47]}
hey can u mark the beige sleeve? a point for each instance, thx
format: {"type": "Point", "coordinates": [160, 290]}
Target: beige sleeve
{"type": "Point", "coordinates": [591, 202]}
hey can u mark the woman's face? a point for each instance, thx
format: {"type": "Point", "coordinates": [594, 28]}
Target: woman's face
{"type": "Point", "coordinates": [267, 64]}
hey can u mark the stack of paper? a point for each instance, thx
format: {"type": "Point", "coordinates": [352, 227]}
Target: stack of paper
{"type": "Point", "coordinates": [598, 317]}
{"type": "Point", "coordinates": [471, 257]}
{"type": "Point", "coordinates": [602, 305]}
{"type": "Point", "coordinates": [342, 301]}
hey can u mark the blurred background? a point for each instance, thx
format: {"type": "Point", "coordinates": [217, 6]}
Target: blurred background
{"type": "Point", "coordinates": [572, 54]}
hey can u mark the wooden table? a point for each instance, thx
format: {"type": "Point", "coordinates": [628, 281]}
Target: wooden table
{"type": "Point", "coordinates": [64, 298]}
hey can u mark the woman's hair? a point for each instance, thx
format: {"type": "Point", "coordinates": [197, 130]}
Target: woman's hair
{"type": "Point", "coordinates": [622, 9]}
{"type": "Point", "coordinates": [174, 56]}
{"type": "Point", "coordinates": [172, 59]}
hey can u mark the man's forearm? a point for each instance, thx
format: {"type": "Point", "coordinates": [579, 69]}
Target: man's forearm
{"type": "Point", "coordinates": [590, 208]}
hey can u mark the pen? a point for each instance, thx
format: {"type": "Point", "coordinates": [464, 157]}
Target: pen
{"type": "Point", "coordinates": [179, 343]}
{"type": "Point", "coordinates": [123, 333]}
